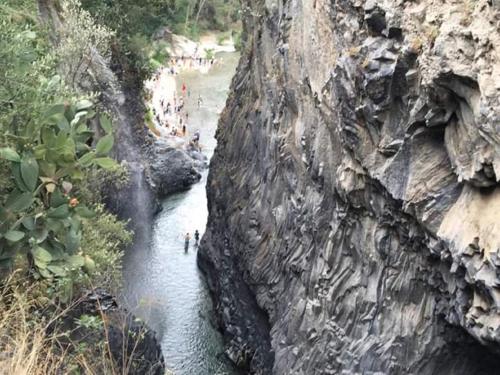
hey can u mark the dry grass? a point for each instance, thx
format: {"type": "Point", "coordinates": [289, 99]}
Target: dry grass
{"type": "Point", "coordinates": [467, 10]}
{"type": "Point", "coordinates": [25, 346]}
{"type": "Point", "coordinates": [34, 342]}
{"type": "Point", "coordinates": [353, 51]}
{"type": "Point", "coordinates": [416, 44]}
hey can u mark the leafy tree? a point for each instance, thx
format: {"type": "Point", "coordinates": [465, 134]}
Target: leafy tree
{"type": "Point", "coordinates": [135, 22]}
{"type": "Point", "coordinates": [27, 69]}
{"type": "Point", "coordinates": [80, 41]}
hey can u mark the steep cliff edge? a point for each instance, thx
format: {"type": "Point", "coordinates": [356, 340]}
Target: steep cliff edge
{"type": "Point", "coordinates": [354, 196]}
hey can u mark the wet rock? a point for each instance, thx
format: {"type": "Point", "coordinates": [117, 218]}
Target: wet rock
{"type": "Point", "coordinates": [173, 170]}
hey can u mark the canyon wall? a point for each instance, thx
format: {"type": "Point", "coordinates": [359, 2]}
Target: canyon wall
{"type": "Point", "coordinates": [354, 196]}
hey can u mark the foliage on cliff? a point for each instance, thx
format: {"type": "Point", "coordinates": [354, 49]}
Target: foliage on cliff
{"type": "Point", "coordinates": [56, 241]}
{"type": "Point", "coordinates": [47, 148]}
{"type": "Point", "coordinates": [136, 22]}
{"type": "Point", "coordinates": [130, 17]}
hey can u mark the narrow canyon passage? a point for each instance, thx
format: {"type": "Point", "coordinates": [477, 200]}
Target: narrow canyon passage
{"type": "Point", "coordinates": [163, 285]}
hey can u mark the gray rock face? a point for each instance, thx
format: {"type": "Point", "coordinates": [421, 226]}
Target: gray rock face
{"type": "Point", "coordinates": [173, 169]}
{"type": "Point", "coordinates": [354, 196]}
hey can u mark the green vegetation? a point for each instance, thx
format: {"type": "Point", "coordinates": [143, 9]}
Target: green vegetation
{"type": "Point", "coordinates": [209, 53]}
{"type": "Point", "coordinates": [56, 239]}
{"type": "Point", "coordinates": [41, 217]}
{"type": "Point", "coordinates": [188, 17]}
{"type": "Point", "coordinates": [27, 69]}
{"type": "Point", "coordinates": [136, 22]}
{"type": "Point", "coordinates": [46, 143]}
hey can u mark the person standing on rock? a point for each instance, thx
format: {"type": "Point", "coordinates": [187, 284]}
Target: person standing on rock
{"type": "Point", "coordinates": [200, 100]}
{"type": "Point", "coordinates": [184, 89]}
{"type": "Point", "coordinates": [187, 238]}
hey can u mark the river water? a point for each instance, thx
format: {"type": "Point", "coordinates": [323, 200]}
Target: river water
{"type": "Point", "coordinates": [163, 285]}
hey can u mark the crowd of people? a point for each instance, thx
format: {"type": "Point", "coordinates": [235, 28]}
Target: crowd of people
{"type": "Point", "coordinates": [172, 114]}
{"type": "Point", "coordinates": [169, 111]}
{"type": "Point", "coordinates": [189, 62]}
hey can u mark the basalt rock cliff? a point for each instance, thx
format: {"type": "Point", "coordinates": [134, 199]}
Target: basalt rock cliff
{"type": "Point", "coordinates": [354, 196]}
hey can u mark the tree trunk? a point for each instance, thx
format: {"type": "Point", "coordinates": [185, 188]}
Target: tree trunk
{"type": "Point", "coordinates": [188, 10]}
{"type": "Point", "coordinates": [202, 2]}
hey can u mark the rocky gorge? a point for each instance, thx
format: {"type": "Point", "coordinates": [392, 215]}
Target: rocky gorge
{"type": "Point", "coordinates": [154, 168]}
{"type": "Point", "coordinates": [354, 195]}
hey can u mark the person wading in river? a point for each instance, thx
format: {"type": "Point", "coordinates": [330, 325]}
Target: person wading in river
{"type": "Point", "coordinates": [187, 238]}
{"type": "Point", "coordinates": [196, 237]}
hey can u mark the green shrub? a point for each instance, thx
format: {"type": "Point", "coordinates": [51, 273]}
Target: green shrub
{"type": "Point", "coordinates": [41, 217]}
{"type": "Point", "coordinates": [78, 41]}
{"type": "Point", "coordinates": [103, 240]}
{"type": "Point", "coordinates": [209, 53]}
{"type": "Point", "coordinates": [51, 222]}
{"type": "Point", "coordinates": [221, 38]}
{"type": "Point", "coordinates": [28, 70]}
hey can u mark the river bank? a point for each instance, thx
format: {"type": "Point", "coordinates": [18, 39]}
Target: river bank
{"type": "Point", "coordinates": [170, 119]}
{"type": "Point", "coordinates": [178, 153]}
{"type": "Point", "coordinates": [162, 283]}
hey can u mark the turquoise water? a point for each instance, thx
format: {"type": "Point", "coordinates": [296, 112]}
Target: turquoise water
{"type": "Point", "coordinates": [163, 285]}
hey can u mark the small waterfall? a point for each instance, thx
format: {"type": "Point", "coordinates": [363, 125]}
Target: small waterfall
{"type": "Point", "coordinates": [141, 207]}
{"type": "Point", "coordinates": [136, 202]}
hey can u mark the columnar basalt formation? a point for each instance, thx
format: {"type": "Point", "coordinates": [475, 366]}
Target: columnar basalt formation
{"type": "Point", "coordinates": [354, 196]}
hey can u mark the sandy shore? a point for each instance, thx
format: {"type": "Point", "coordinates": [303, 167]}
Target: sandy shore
{"type": "Point", "coordinates": [163, 86]}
